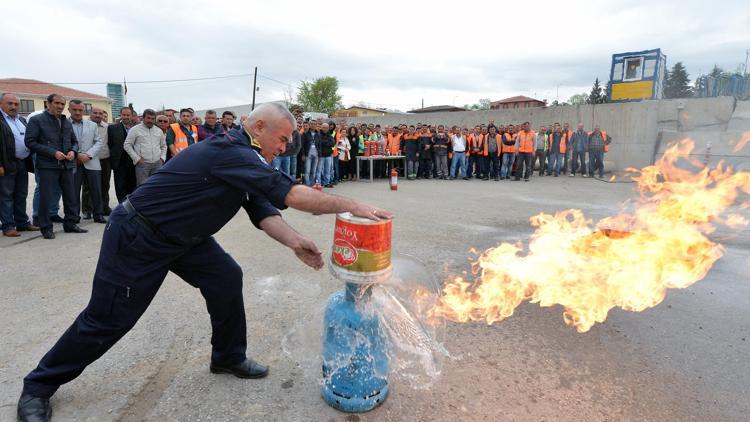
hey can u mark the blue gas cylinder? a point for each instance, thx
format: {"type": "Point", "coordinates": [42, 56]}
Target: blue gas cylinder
{"type": "Point", "coordinates": [355, 362]}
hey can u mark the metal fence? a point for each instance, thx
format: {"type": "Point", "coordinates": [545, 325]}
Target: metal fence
{"type": "Point", "coordinates": [725, 85]}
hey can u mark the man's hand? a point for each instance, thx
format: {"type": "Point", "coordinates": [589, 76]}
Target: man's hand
{"type": "Point", "coordinates": [304, 248]}
{"type": "Point", "coordinates": [59, 156]}
{"type": "Point", "coordinates": [83, 158]}
{"type": "Point", "coordinates": [373, 213]}
{"type": "Point", "coordinates": [308, 253]}
{"type": "Point", "coordinates": [139, 162]}
{"type": "Point", "coordinates": [70, 156]}
{"type": "Point", "coordinates": [2, 171]}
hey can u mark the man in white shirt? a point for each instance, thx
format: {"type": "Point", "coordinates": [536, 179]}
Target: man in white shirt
{"type": "Point", "coordinates": [88, 167]}
{"type": "Point", "coordinates": [146, 145]}
{"type": "Point", "coordinates": [14, 176]}
{"type": "Point", "coordinates": [458, 163]}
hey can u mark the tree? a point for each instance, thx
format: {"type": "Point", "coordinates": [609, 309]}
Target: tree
{"type": "Point", "coordinates": [677, 83]}
{"type": "Point", "coordinates": [483, 104]}
{"type": "Point", "coordinates": [320, 96]}
{"type": "Point", "coordinates": [716, 72]}
{"type": "Point", "coordinates": [597, 96]}
{"type": "Point", "coordinates": [578, 99]}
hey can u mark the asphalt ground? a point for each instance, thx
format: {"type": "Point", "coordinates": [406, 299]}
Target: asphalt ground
{"type": "Point", "coordinates": [686, 359]}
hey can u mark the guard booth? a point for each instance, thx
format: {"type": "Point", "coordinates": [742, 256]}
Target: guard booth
{"type": "Point", "coordinates": [637, 75]}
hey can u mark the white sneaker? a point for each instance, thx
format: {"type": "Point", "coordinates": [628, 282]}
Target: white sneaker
{"type": "Point", "coordinates": [572, 175]}
{"type": "Point", "coordinates": [585, 175]}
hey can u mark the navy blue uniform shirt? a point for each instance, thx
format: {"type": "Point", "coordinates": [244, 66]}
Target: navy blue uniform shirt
{"type": "Point", "coordinates": [198, 191]}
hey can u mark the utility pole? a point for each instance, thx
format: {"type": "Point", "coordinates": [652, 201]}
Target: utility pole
{"type": "Point", "coordinates": [422, 102]}
{"type": "Point", "coordinates": [255, 80]}
{"type": "Point", "coordinates": [747, 54]}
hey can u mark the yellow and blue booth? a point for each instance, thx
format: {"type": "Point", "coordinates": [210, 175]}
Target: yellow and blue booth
{"type": "Point", "coordinates": [637, 75]}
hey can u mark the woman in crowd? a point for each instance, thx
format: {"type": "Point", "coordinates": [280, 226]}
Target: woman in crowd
{"type": "Point", "coordinates": [353, 137]}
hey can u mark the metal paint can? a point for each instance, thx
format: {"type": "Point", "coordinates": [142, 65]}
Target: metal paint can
{"type": "Point", "coordinates": [361, 249]}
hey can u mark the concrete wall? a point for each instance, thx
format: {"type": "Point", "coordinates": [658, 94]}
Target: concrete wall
{"type": "Point", "coordinates": [640, 130]}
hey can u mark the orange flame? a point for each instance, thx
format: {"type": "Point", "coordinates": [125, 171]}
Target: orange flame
{"type": "Point", "coordinates": [744, 140]}
{"type": "Point", "coordinates": [659, 241]}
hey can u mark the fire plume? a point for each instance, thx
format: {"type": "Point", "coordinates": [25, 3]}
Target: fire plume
{"type": "Point", "coordinates": [658, 241]}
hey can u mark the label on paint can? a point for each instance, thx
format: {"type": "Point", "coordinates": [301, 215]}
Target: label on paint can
{"type": "Point", "coordinates": [361, 248]}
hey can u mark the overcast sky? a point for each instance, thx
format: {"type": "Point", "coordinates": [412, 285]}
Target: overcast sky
{"type": "Point", "coordinates": [385, 53]}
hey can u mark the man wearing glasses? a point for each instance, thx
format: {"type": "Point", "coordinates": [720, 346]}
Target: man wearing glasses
{"type": "Point", "coordinates": [162, 122]}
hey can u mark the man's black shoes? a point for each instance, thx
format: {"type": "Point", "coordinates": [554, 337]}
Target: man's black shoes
{"type": "Point", "coordinates": [100, 220]}
{"type": "Point", "coordinates": [33, 409]}
{"type": "Point", "coordinates": [246, 369]}
{"type": "Point", "coordinates": [48, 234]}
{"type": "Point", "coordinates": [74, 229]}
{"type": "Point", "coordinates": [87, 216]}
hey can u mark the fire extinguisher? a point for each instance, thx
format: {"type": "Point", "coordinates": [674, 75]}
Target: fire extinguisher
{"type": "Point", "coordinates": [394, 179]}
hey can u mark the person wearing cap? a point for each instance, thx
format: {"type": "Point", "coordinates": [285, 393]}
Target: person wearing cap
{"type": "Point", "coordinates": [168, 224]}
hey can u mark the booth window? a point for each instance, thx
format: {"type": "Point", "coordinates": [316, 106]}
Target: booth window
{"type": "Point", "coordinates": [633, 68]}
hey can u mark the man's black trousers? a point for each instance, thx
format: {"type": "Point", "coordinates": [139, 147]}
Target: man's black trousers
{"type": "Point", "coordinates": [124, 177]}
{"type": "Point", "coordinates": [133, 262]}
{"type": "Point", "coordinates": [65, 178]}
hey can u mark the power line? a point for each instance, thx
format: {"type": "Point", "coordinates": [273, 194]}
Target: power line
{"type": "Point", "coordinates": [275, 80]}
{"type": "Point", "coordinates": [132, 82]}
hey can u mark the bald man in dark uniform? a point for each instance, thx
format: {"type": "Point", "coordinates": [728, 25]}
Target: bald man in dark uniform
{"type": "Point", "coordinates": [167, 224]}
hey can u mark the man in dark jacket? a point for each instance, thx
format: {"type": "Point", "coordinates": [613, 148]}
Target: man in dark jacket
{"type": "Point", "coordinates": [121, 163]}
{"type": "Point", "coordinates": [311, 153]}
{"type": "Point", "coordinates": [425, 153]}
{"type": "Point", "coordinates": [50, 136]}
{"type": "Point", "coordinates": [325, 164]}
{"type": "Point", "coordinates": [287, 162]}
{"type": "Point", "coordinates": [14, 176]}
{"type": "Point", "coordinates": [210, 127]}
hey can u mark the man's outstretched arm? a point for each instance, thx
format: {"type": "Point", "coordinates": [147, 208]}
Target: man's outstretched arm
{"type": "Point", "coordinates": [309, 200]}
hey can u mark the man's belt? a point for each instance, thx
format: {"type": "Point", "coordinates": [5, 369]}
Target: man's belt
{"type": "Point", "coordinates": [140, 218]}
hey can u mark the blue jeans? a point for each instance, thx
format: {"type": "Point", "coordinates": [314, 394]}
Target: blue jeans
{"type": "Point", "coordinates": [507, 164]}
{"type": "Point", "coordinates": [336, 170]}
{"type": "Point", "coordinates": [474, 166]}
{"type": "Point", "coordinates": [596, 163]}
{"type": "Point", "coordinates": [575, 160]}
{"type": "Point", "coordinates": [412, 167]}
{"type": "Point", "coordinates": [458, 163]}
{"type": "Point", "coordinates": [311, 169]}
{"type": "Point", "coordinates": [14, 188]}
{"type": "Point", "coordinates": [555, 161]}
{"type": "Point", "coordinates": [325, 170]}
{"type": "Point", "coordinates": [293, 167]}
{"type": "Point", "coordinates": [281, 164]}
{"type": "Point", "coordinates": [54, 208]}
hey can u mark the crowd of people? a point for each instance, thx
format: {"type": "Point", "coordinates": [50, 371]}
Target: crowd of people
{"type": "Point", "coordinates": [74, 159]}
{"type": "Point", "coordinates": [326, 154]}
